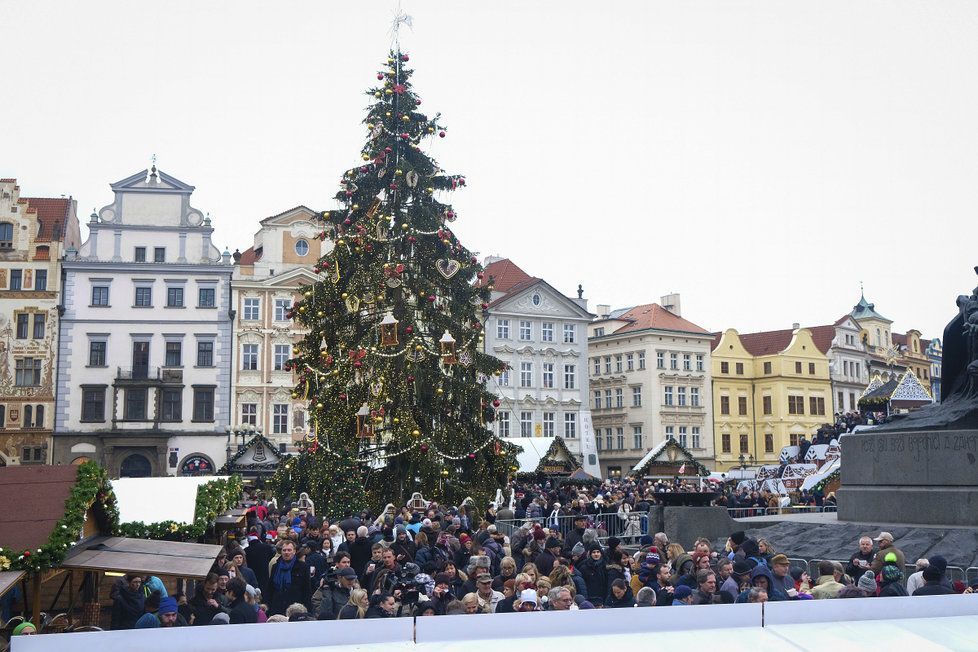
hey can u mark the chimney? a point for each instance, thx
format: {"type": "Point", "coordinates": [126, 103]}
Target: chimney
{"type": "Point", "coordinates": [603, 309]}
{"type": "Point", "coordinates": [671, 303]}
{"type": "Point", "coordinates": [795, 326]}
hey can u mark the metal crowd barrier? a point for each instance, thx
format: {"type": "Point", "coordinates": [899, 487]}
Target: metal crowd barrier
{"type": "Point", "coordinates": [748, 512]}
{"type": "Point", "coordinates": [627, 526]}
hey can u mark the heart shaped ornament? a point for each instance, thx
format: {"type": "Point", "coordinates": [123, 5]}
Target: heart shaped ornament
{"type": "Point", "coordinates": [448, 267]}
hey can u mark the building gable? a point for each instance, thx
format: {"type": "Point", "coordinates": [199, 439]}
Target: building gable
{"type": "Point", "coordinates": [540, 299]}
{"type": "Point", "coordinates": [298, 213]}
{"type": "Point", "coordinates": [730, 345]}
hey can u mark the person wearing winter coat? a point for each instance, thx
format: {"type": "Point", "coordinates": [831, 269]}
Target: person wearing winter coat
{"type": "Point", "coordinates": [288, 581]}
{"type": "Point", "coordinates": [933, 583]}
{"type": "Point", "coordinates": [128, 603]}
{"type": "Point", "coordinates": [239, 610]}
{"type": "Point", "coordinates": [620, 596]}
{"type": "Point", "coordinates": [576, 535]}
{"type": "Point", "coordinates": [333, 595]}
{"type": "Point", "coordinates": [594, 570]}
{"type": "Point", "coordinates": [545, 560]}
{"type": "Point", "coordinates": [892, 582]}
{"type": "Point", "coordinates": [404, 549]}
{"type": "Point", "coordinates": [761, 578]}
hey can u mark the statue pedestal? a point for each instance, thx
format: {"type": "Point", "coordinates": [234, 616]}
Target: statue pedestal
{"type": "Point", "coordinates": [918, 477]}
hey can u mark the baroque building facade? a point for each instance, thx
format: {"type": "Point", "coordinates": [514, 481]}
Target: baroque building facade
{"type": "Point", "coordinates": [649, 374]}
{"type": "Point", "coordinates": [542, 336]}
{"type": "Point", "coordinates": [145, 342]}
{"type": "Point", "coordinates": [34, 233]}
{"type": "Point", "coordinates": [267, 278]}
{"type": "Point", "coordinates": [769, 389]}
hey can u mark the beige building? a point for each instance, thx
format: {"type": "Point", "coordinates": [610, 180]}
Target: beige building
{"type": "Point", "coordinates": [649, 375]}
{"type": "Point", "coordinates": [267, 278]}
{"type": "Point", "coordinates": [34, 233]}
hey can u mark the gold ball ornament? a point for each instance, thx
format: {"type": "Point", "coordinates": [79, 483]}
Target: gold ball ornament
{"type": "Point", "coordinates": [358, 250]}
{"type": "Point", "coordinates": [388, 92]}
{"type": "Point", "coordinates": [444, 473]}
{"type": "Point", "coordinates": [431, 130]}
{"type": "Point", "coordinates": [336, 372]}
{"type": "Point", "coordinates": [388, 114]}
{"type": "Point", "coordinates": [429, 190]}
{"type": "Point", "coordinates": [295, 350]}
{"type": "Point", "coordinates": [356, 206]}
{"type": "Point", "coordinates": [396, 421]}
{"type": "Point", "coordinates": [340, 242]}
{"type": "Point", "coordinates": [295, 395]}
{"type": "Point", "coordinates": [344, 295]}
{"type": "Point", "coordinates": [418, 347]}
{"type": "Point", "coordinates": [378, 419]}
{"type": "Point", "coordinates": [439, 391]}
{"type": "Point", "coordinates": [320, 314]}
{"type": "Point", "coordinates": [416, 433]}
{"type": "Point", "coordinates": [398, 172]}
{"type": "Point", "coordinates": [390, 60]}
{"type": "Point", "coordinates": [378, 94]}
{"type": "Point", "coordinates": [365, 157]}
{"type": "Point", "coordinates": [404, 226]}
{"type": "Point", "coordinates": [302, 309]}
{"type": "Point", "coordinates": [406, 118]}
{"type": "Point", "coordinates": [370, 125]}
{"type": "Point", "coordinates": [319, 406]}
{"type": "Point", "coordinates": [307, 294]}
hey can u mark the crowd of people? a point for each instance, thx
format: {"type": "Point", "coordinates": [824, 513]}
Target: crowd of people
{"type": "Point", "coordinates": [293, 565]}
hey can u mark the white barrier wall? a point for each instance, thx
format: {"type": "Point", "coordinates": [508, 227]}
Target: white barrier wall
{"type": "Point", "coordinates": [218, 638]}
{"type": "Point", "coordinates": [948, 622]}
{"type": "Point", "coordinates": [587, 622]}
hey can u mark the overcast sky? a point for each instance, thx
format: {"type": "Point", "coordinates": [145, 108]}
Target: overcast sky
{"type": "Point", "coordinates": [760, 158]}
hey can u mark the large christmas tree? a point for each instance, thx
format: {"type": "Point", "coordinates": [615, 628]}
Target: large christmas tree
{"type": "Point", "coordinates": [393, 364]}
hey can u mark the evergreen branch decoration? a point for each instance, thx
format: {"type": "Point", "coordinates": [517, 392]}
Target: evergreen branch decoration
{"type": "Point", "coordinates": [92, 490]}
{"type": "Point", "coordinates": [213, 498]}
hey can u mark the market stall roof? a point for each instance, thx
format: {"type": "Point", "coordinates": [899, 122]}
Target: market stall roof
{"type": "Point", "coordinates": [36, 501]}
{"type": "Point", "coordinates": [9, 579]}
{"type": "Point", "coordinates": [827, 469]}
{"type": "Point", "coordinates": [145, 556]}
{"type": "Point", "coordinates": [534, 450]}
{"type": "Point", "coordinates": [670, 453]}
{"type": "Point", "coordinates": [155, 500]}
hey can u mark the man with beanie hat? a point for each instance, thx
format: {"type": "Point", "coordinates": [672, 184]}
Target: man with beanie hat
{"type": "Point", "coordinates": [891, 579]}
{"type": "Point", "coordinates": [169, 615]}
{"type": "Point", "coordinates": [933, 583]}
{"type": "Point", "coordinates": [547, 559]}
{"type": "Point", "coordinates": [259, 555]}
{"type": "Point", "coordinates": [738, 576]}
{"type": "Point", "coordinates": [734, 541]}
{"type": "Point", "coordinates": [867, 582]}
{"type": "Point", "coordinates": [682, 596]}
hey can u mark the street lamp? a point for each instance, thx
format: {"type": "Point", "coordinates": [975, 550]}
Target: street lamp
{"type": "Point", "coordinates": [745, 461]}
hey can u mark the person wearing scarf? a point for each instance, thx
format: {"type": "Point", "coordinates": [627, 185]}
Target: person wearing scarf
{"type": "Point", "coordinates": [288, 581]}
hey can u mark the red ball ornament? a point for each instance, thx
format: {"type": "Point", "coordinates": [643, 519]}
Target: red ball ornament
{"type": "Point", "coordinates": [357, 364]}
{"type": "Point", "coordinates": [364, 168]}
{"type": "Point", "coordinates": [343, 397]}
{"type": "Point", "coordinates": [424, 448]}
{"type": "Point", "coordinates": [393, 186]}
{"type": "Point", "coordinates": [349, 193]}
{"type": "Point", "coordinates": [417, 102]}
{"type": "Point", "coordinates": [441, 134]}
{"type": "Point", "coordinates": [485, 305]}
{"type": "Point", "coordinates": [410, 379]}
{"type": "Point", "coordinates": [348, 221]}
{"type": "Point", "coordinates": [480, 276]}
{"type": "Point", "coordinates": [431, 298]}
{"type": "Point", "coordinates": [405, 57]}
{"type": "Point", "coordinates": [495, 403]}
{"type": "Point", "coordinates": [388, 150]}
{"type": "Point", "coordinates": [409, 330]}
{"type": "Point", "coordinates": [412, 239]}
{"type": "Point", "coordinates": [405, 136]}
{"type": "Point", "coordinates": [380, 75]}
{"type": "Point", "coordinates": [27, 553]}
{"type": "Point", "coordinates": [450, 214]}
{"type": "Point", "coordinates": [471, 456]}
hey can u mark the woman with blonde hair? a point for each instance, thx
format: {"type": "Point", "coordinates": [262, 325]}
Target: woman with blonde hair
{"type": "Point", "coordinates": [356, 606]}
{"type": "Point", "coordinates": [470, 601]}
{"type": "Point", "coordinates": [530, 569]}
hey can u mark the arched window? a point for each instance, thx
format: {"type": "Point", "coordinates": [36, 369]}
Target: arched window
{"type": "Point", "coordinates": [197, 465]}
{"type": "Point", "coordinates": [6, 235]}
{"type": "Point", "coordinates": [28, 416]}
{"type": "Point", "coordinates": [39, 416]}
{"type": "Point", "coordinates": [135, 466]}
{"type": "Point", "coordinates": [879, 340]}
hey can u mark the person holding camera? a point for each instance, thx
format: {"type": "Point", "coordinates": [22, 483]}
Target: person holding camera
{"type": "Point", "coordinates": [335, 592]}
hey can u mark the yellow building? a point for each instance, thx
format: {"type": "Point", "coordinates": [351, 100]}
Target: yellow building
{"type": "Point", "coordinates": [769, 389]}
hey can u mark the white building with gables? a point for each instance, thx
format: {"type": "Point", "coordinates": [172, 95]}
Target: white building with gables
{"type": "Point", "coordinates": [145, 336]}
{"type": "Point", "coordinates": [267, 278]}
{"type": "Point", "coordinates": [542, 335]}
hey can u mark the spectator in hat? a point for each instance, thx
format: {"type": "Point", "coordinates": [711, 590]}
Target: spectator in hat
{"type": "Point", "coordinates": [891, 579]}
{"type": "Point", "coordinates": [149, 619]}
{"type": "Point", "coordinates": [933, 583]}
{"type": "Point", "coordinates": [335, 594]}
{"type": "Point", "coordinates": [169, 615]}
{"type": "Point", "coordinates": [403, 547]}
{"type": "Point", "coordinates": [682, 596]}
{"type": "Point", "coordinates": [734, 542]}
{"type": "Point", "coordinates": [576, 535]}
{"type": "Point", "coordinates": [527, 601]}
{"type": "Point", "coordinates": [546, 560]}
{"type": "Point", "coordinates": [487, 597]}
{"type": "Point", "coordinates": [885, 540]}
{"type": "Point", "coordinates": [867, 582]}
{"type": "Point", "coordinates": [738, 579]}
{"type": "Point", "coordinates": [784, 584]}
{"type": "Point", "coordinates": [828, 584]}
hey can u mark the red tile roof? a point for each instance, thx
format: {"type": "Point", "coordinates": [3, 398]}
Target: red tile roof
{"type": "Point", "coordinates": [767, 342]}
{"type": "Point", "coordinates": [51, 215]}
{"type": "Point", "coordinates": [8, 180]}
{"type": "Point", "coordinates": [899, 339]}
{"type": "Point", "coordinates": [41, 492]}
{"type": "Point", "coordinates": [823, 336]}
{"type": "Point", "coordinates": [652, 315]}
{"type": "Point", "coordinates": [249, 256]}
{"type": "Point", "coordinates": [505, 274]}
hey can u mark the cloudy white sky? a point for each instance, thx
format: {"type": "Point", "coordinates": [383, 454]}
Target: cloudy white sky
{"type": "Point", "coordinates": [759, 157]}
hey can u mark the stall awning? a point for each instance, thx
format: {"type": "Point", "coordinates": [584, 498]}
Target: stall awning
{"type": "Point", "coordinates": [144, 556]}
{"type": "Point", "coordinates": [9, 579]}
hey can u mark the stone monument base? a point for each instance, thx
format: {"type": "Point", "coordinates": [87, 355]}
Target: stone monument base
{"type": "Point", "coordinates": [685, 525]}
{"type": "Point", "coordinates": [920, 477]}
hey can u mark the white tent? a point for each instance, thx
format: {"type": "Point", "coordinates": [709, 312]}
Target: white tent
{"type": "Point", "coordinates": [154, 500]}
